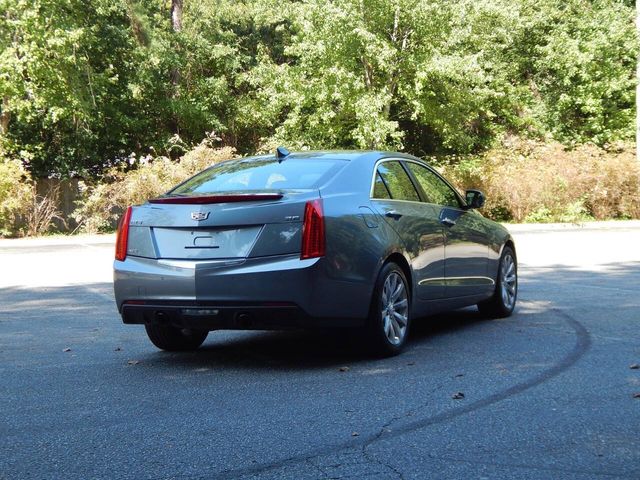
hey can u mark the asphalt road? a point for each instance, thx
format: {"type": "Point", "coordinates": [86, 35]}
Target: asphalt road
{"type": "Point", "coordinates": [548, 393]}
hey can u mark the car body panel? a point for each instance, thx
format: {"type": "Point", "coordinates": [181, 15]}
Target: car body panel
{"type": "Point", "coordinates": [423, 239]}
{"type": "Point", "coordinates": [467, 249]}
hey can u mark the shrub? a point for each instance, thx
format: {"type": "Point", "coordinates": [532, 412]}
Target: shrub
{"type": "Point", "coordinates": [16, 192]}
{"type": "Point", "coordinates": [43, 209]}
{"type": "Point", "coordinates": [546, 182]}
{"type": "Point", "coordinates": [103, 203]}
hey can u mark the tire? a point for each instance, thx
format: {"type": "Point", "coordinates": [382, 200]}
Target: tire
{"type": "Point", "coordinates": [173, 339]}
{"type": "Point", "coordinates": [390, 314]}
{"type": "Point", "coordinates": [503, 301]}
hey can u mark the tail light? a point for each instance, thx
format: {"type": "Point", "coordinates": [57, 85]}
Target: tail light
{"type": "Point", "coordinates": [313, 238]}
{"type": "Point", "coordinates": [122, 237]}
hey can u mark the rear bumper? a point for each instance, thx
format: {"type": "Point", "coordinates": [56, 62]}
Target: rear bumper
{"type": "Point", "coordinates": [267, 292]}
{"type": "Point", "coordinates": [228, 317]}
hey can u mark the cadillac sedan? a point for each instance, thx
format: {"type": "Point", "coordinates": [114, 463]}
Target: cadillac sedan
{"type": "Point", "coordinates": [371, 240]}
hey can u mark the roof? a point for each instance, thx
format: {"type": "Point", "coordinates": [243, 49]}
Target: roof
{"type": "Point", "coordinates": [334, 155]}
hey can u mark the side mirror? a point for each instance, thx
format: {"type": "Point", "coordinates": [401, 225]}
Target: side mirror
{"type": "Point", "coordinates": [475, 198]}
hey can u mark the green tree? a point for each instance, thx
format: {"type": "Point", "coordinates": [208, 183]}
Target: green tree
{"type": "Point", "coordinates": [578, 59]}
{"type": "Point", "coordinates": [451, 76]}
{"type": "Point", "coordinates": [63, 72]}
{"type": "Point", "coordinates": [86, 84]}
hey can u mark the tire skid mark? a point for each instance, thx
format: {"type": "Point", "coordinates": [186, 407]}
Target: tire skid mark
{"type": "Point", "coordinates": [582, 345]}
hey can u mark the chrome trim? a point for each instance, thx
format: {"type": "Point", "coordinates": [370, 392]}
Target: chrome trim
{"type": "Point", "coordinates": [457, 281]}
{"type": "Point", "coordinates": [191, 264]}
{"type": "Point", "coordinates": [423, 164]}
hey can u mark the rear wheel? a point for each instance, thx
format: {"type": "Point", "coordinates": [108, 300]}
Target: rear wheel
{"type": "Point", "coordinates": [503, 301]}
{"type": "Point", "coordinates": [389, 318]}
{"type": "Point", "coordinates": [173, 339]}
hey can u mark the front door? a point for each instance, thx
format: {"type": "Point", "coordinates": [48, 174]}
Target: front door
{"type": "Point", "coordinates": [466, 241]}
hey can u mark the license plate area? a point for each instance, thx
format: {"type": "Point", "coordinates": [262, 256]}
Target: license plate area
{"type": "Point", "coordinates": [187, 243]}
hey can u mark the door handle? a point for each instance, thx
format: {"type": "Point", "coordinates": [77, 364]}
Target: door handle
{"type": "Point", "coordinates": [393, 214]}
{"type": "Point", "coordinates": [448, 222]}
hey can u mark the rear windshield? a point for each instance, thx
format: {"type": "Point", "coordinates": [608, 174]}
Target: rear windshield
{"type": "Point", "coordinates": [265, 174]}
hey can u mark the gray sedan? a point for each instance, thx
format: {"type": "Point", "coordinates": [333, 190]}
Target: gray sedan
{"type": "Point", "coordinates": [314, 239]}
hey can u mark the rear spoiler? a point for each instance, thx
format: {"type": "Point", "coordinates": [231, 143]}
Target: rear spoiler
{"type": "Point", "coordinates": [207, 199]}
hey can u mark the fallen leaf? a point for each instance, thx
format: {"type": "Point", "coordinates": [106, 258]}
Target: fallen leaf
{"type": "Point", "coordinates": [635, 366]}
{"type": "Point", "coordinates": [636, 395]}
{"type": "Point", "coordinates": [117, 349]}
{"type": "Point", "coordinates": [133, 362]}
{"type": "Point", "coordinates": [344, 369]}
{"type": "Point", "coordinates": [66, 349]}
{"type": "Point", "coordinates": [458, 396]}
{"type": "Point", "coordinates": [355, 434]}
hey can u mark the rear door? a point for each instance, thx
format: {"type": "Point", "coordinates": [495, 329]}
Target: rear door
{"type": "Point", "coordinates": [395, 197]}
{"type": "Point", "coordinates": [466, 240]}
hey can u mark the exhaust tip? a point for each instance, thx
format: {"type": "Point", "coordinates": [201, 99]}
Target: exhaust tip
{"type": "Point", "coordinates": [161, 317]}
{"type": "Point", "coordinates": [244, 319]}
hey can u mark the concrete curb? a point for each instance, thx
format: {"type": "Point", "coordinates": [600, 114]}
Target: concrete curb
{"type": "Point", "coordinates": [102, 239]}
{"type": "Point", "coordinates": [568, 227]}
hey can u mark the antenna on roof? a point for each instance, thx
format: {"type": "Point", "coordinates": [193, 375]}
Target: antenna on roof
{"type": "Point", "coordinates": [281, 153]}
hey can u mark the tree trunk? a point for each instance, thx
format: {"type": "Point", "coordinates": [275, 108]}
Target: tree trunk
{"type": "Point", "coordinates": [176, 24]}
{"type": "Point", "coordinates": [176, 15]}
{"type": "Point", "coordinates": [139, 32]}
{"type": "Point", "coordinates": [5, 116]}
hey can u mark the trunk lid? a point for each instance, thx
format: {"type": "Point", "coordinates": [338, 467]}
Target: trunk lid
{"type": "Point", "coordinates": [225, 226]}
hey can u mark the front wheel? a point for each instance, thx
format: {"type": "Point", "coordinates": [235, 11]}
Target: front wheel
{"type": "Point", "coordinates": [389, 317]}
{"type": "Point", "coordinates": [173, 339]}
{"type": "Point", "coordinates": [503, 301]}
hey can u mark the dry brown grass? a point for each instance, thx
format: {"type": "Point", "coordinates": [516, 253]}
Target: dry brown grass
{"type": "Point", "coordinates": [535, 181]}
{"type": "Point", "coordinates": [43, 209]}
{"type": "Point", "coordinates": [104, 202]}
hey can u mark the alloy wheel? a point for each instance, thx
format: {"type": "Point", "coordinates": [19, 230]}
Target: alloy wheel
{"type": "Point", "coordinates": [508, 281]}
{"type": "Point", "coordinates": [395, 308]}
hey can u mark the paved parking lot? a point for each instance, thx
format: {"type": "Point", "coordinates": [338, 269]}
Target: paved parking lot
{"type": "Point", "coordinates": [548, 393]}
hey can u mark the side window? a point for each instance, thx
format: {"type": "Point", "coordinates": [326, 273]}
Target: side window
{"type": "Point", "coordinates": [436, 190]}
{"type": "Point", "coordinates": [379, 188]}
{"type": "Point", "coordinates": [397, 181]}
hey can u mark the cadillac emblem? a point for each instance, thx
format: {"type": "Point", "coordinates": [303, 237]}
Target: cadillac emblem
{"type": "Point", "coordinates": [198, 216]}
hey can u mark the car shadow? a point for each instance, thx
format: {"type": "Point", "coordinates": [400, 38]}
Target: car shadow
{"type": "Point", "coordinates": [306, 349]}
{"type": "Point", "coordinates": [334, 348]}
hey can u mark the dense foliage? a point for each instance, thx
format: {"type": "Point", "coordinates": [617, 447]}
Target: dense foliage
{"type": "Point", "coordinates": [86, 84]}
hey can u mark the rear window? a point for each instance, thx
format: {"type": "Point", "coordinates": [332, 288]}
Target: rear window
{"type": "Point", "coordinates": [267, 174]}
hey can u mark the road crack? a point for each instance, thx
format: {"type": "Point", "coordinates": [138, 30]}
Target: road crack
{"type": "Point", "coordinates": [386, 428]}
{"type": "Point", "coordinates": [362, 443]}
